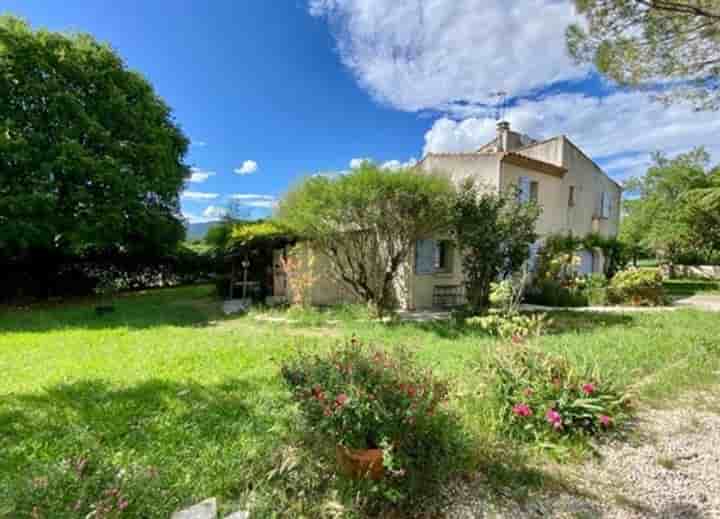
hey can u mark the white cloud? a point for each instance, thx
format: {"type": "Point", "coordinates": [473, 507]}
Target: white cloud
{"type": "Point", "coordinates": [393, 165]}
{"type": "Point", "coordinates": [608, 129]}
{"type": "Point", "coordinates": [356, 163]}
{"type": "Point", "coordinates": [198, 175]}
{"type": "Point", "coordinates": [396, 165]}
{"type": "Point", "coordinates": [214, 212]}
{"type": "Point", "coordinates": [210, 214]}
{"type": "Point", "coordinates": [248, 167]}
{"type": "Point", "coordinates": [197, 195]}
{"type": "Point", "coordinates": [255, 200]}
{"type": "Point", "coordinates": [197, 143]}
{"type": "Point", "coordinates": [439, 54]}
{"type": "Point", "coordinates": [251, 196]}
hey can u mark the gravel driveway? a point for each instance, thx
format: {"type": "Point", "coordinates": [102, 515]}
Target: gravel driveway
{"type": "Point", "coordinates": [670, 469]}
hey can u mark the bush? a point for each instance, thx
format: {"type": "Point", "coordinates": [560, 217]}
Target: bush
{"type": "Point", "coordinates": [597, 296]}
{"type": "Point", "coordinates": [501, 293]}
{"type": "Point", "coordinates": [543, 397]}
{"type": "Point", "coordinates": [549, 292]}
{"type": "Point", "coordinates": [515, 326]}
{"type": "Point", "coordinates": [639, 287]}
{"type": "Point", "coordinates": [361, 397]}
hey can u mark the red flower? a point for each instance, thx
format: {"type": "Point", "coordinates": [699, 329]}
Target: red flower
{"type": "Point", "coordinates": [588, 389]}
{"type": "Point", "coordinates": [522, 410]}
{"type": "Point", "coordinates": [605, 421]}
{"type": "Point", "coordinates": [341, 400]}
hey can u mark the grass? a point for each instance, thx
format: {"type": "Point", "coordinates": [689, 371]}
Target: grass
{"type": "Point", "coordinates": [689, 287]}
{"type": "Point", "coordinates": [169, 402]}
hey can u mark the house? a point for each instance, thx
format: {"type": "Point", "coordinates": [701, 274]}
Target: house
{"type": "Point", "coordinates": [575, 194]}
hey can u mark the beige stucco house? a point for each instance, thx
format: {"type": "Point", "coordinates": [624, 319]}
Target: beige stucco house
{"type": "Point", "coordinates": [575, 194]}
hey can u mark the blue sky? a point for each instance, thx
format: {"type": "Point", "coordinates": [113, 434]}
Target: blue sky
{"type": "Point", "coordinates": [270, 91]}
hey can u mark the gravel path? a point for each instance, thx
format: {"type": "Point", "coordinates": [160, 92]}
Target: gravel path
{"type": "Point", "coordinates": [670, 469]}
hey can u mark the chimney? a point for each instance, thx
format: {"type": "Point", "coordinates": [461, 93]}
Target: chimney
{"type": "Point", "coordinates": [503, 133]}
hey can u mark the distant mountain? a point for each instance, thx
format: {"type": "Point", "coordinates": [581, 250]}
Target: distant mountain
{"type": "Point", "coordinates": [197, 231]}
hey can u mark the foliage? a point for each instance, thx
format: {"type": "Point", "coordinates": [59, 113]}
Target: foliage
{"type": "Point", "coordinates": [501, 293]}
{"type": "Point", "coordinates": [549, 292]}
{"type": "Point", "coordinates": [493, 232]}
{"type": "Point", "coordinates": [613, 249]}
{"type": "Point", "coordinates": [638, 286]}
{"type": "Point", "coordinates": [543, 397]}
{"type": "Point", "coordinates": [367, 222]}
{"type": "Point", "coordinates": [517, 327]}
{"type": "Point", "coordinates": [91, 156]}
{"type": "Point", "coordinates": [668, 212]}
{"type": "Point", "coordinates": [639, 42]}
{"type": "Point", "coordinates": [81, 275]}
{"type": "Point", "coordinates": [266, 234]}
{"type": "Point", "coordinates": [362, 397]}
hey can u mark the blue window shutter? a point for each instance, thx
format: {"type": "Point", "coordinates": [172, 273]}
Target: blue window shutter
{"type": "Point", "coordinates": [425, 256]}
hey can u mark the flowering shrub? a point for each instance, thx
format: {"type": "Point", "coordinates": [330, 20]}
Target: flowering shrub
{"type": "Point", "coordinates": [541, 396]}
{"type": "Point", "coordinates": [639, 287]}
{"type": "Point", "coordinates": [364, 397]}
{"type": "Point", "coordinates": [510, 326]}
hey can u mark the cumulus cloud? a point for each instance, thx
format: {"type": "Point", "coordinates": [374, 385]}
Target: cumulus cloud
{"type": "Point", "coordinates": [618, 130]}
{"type": "Point", "coordinates": [441, 55]}
{"type": "Point", "coordinates": [255, 200]}
{"type": "Point", "coordinates": [393, 165]}
{"type": "Point", "coordinates": [199, 175]}
{"type": "Point", "coordinates": [214, 212]}
{"type": "Point", "coordinates": [356, 163]}
{"type": "Point", "coordinates": [198, 195]}
{"type": "Point", "coordinates": [248, 167]}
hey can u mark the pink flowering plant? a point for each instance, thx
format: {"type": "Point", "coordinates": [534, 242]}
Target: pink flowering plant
{"type": "Point", "coordinates": [364, 397]}
{"type": "Point", "coordinates": [541, 396]}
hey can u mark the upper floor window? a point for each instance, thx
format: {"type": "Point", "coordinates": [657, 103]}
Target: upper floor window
{"type": "Point", "coordinates": [571, 197]}
{"type": "Point", "coordinates": [528, 190]}
{"type": "Point", "coordinates": [605, 204]}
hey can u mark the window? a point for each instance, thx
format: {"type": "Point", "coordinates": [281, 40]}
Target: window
{"type": "Point", "coordinates": [534, 188]}
{"type": "Point", "coordinates": [433, 256]}
{"type": "Point", "coordinates": [605, 205]}
{"type": "Point", "coordinates": [528, 190]}
{"type": "Point", "coordinates": [571, 197]}
{"type": "Point", "coordinates": [443, 256]}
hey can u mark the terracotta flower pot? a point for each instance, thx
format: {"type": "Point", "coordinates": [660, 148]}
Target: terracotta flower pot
{"type": "Point", "coordinates": [360, 464]}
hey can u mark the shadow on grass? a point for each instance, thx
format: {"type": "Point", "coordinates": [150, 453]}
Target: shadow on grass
{"type": "Point", "coordinates": [562, 323]}
{"type": "Point", "coordinates": [201, 439]}
{"type": "Point", "coordinates": [186, 306]}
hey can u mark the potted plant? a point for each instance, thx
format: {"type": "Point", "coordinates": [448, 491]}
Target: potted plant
{"type": "Point", "coordinates": [368, 401]}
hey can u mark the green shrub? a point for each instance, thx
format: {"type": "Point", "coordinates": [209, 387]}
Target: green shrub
{"type": "Point", "coordinates": [549, 292]}
{"type": "Point", "coordinates": [514, 326]}
{"type": "Point", "coordinates": [362, 397]}
{"type": "Point", "coordinates": [544, 397]}
{"type": "Point", "coordinates": [501, 293]}
{"type": "Point", "coordinates": [639, 287]}
{"type": "Point", "coordinates": [597, 296]}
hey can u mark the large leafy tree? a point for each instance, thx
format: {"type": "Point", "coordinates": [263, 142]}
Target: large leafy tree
{"type": "Point", "coordinates": [672, 204]}
{"type": "Point", "coordinates": [641, 42]}
{"type": "Point", "coordinates": [493, 232]}
{"type": "Point", "coordinates": [367, 222]}
{"type": "Point", "coordinates": [90, 156]}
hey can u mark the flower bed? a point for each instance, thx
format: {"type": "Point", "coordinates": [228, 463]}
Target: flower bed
{"type": "Point", "coordinates": [544, 397]}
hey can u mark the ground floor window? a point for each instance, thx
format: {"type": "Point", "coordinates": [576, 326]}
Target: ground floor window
{"type": "Point", "coordinates": [433, 256]}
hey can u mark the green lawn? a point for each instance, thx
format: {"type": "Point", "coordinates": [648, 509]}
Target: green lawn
{"type": "Point", "coordinates": [689, 287]}
{"type": "Point", "coordinates": [169, 402]}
